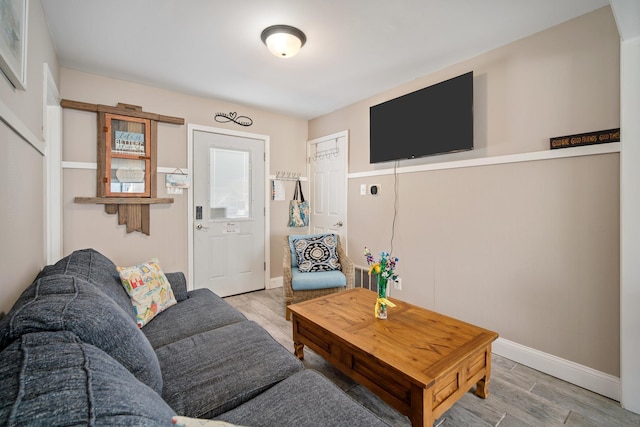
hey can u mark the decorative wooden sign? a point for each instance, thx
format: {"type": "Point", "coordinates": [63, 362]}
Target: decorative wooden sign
{"type": "Point", "coordinates": [126, 181]}
{"type": "Point", "coordinates": [590, 138]}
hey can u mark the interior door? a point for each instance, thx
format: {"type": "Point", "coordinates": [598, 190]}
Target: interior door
{"type": "Point", "coordinates": [228, 213]}
{"type": "Point", "coordinates": [328, 160]}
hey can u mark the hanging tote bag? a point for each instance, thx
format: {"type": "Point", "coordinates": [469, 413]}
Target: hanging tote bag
{"type": "Point", "coordinates": [298, 208]}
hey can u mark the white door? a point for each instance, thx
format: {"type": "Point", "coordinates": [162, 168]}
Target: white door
{"type": "Point", "coordinates": [228, 213]}
{"type": "Point", "coordinates": [328, 159]}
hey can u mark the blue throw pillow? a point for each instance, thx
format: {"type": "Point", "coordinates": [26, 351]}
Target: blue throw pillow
{"type": "Point", "coordinates": [317, 253]}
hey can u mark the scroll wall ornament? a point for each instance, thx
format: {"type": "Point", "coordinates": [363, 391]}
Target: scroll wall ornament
{"type": "Point", "coordinates": [233, 117]}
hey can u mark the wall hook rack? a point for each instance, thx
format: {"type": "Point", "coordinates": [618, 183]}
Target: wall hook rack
{"type": "Point", "coordinates": [327, 153]}
{"type": "Point", "coordinates": [287, 176]}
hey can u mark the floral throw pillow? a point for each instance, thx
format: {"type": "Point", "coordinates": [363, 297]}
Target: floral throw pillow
{"type": "Point", "coordinates": [317, 253]}
{"type": "Point", "coordinates": [148, 288]}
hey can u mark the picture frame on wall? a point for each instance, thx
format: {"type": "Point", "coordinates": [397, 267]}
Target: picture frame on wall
{"type": "Point", "coordinates": [13, 41]}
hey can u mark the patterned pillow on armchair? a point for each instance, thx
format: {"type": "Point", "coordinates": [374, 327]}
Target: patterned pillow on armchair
{"type": "Point", "coordinates": [317, 253]}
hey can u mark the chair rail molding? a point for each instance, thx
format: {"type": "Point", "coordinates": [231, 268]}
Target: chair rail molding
{"type": "Point", "coordinates": [589, 150]}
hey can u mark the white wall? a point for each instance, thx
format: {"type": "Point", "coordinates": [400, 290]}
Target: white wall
{"type": "Point", "coordinates": [630, 226]}
{"type": "Point", "coordinates": [627, 15]}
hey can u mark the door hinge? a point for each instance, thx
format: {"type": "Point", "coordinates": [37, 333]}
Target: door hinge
{"type": "Point", "coordinates": [265, 266]}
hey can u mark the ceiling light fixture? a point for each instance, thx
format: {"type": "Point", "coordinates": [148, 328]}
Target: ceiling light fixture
{"type": "Point", "coordinates": [283, 41]}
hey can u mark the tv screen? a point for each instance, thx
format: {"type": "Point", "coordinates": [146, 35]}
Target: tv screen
{"type": "Point", "coordinates": [435, 120]}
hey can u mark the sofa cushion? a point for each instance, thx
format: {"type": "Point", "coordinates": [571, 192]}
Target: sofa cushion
{"type": "Point", "coordinates": [320, 280]}
{"type": "Point", "coordinates": [53, 378]}
{"type": "Point", "coordinates": [97, 269]}
{"type": "Point", "coordinates": [202, 311]}
{"type": "Point", "coordinates": [317, 253]}
{"type": "Point", "coordinates": [148, 288]}
{"type": "Point", "coordinates": [304, 399]}
{"type": "Point", "coordinates": [209, 373]}
{"type": "Point", "coordinates": [66, 303]}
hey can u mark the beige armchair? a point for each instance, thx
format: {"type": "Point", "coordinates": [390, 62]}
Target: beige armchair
{"type": "Point", "coordinates": [292, 296]}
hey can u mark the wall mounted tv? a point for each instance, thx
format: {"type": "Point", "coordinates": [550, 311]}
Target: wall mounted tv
{"type": "Point", "coordinates": [435, 120]}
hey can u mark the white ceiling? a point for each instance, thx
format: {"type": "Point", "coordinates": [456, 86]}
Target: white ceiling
{"type": "Point", "coordinates": [355, 48]}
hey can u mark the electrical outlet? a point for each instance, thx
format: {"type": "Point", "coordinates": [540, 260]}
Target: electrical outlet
{"type": "Point", "coordinates": [374, 189]}
{"type": "Point", "coordinates": [397, 284]}
{"type": "Point", "coordinates": [363, 189]}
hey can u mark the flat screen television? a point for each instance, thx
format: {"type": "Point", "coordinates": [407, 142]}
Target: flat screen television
{"type": "Point", "coordinates": [435, 120]}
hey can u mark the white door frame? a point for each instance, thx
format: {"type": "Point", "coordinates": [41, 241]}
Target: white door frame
{"type": "Point", "coordinates": [52, 135]}
{"type": "Point", "coordinates": [191, 128]}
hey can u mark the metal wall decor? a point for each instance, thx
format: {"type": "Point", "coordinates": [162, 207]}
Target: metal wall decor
{"type": "Point", "coordinates": [233, 117]}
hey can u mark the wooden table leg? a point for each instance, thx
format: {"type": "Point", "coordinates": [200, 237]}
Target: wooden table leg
{"type": "Point", "coordinates": [421, 411]}
{"type": "Point", "coordinates": [482, 387]}
{"type": "Point", "coordinates": [298, 347]}
{"type": "Point", "coordinates": [299, 350]}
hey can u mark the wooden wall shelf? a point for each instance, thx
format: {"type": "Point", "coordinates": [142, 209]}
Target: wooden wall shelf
{"type": "Point", "coordinates": [127, 142]}
{"type": "Point", "coordinates": [132, 211]}
{"type": "Point", "coordinates": [123, 200]}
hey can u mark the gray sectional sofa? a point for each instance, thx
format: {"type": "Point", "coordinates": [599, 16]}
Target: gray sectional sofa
{"type": "Point", "coordinates": [72, 354]}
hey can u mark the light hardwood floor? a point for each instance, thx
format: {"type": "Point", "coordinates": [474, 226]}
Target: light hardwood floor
{"type": "Point", "coordinates": [520, 396]}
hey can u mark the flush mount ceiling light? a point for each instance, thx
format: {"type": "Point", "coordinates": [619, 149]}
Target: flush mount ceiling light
{"type": "Point", "coordinates": [283, 41]}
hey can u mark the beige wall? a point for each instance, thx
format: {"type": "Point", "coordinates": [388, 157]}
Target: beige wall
{"type": "Point", "coordinates": [21, 213]}
{"type": "Point", "coordinates": [90, 226]}
{"type": "Point", "coordinates": [22, 252]}
{"type": "Point", "coordinates": [531, 249]}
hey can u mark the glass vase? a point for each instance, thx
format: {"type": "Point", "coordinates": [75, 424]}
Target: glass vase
{"type": "Point", "coordinates": [381, 307]}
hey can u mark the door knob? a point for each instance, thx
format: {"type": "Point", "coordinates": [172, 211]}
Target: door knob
{"type": "Point", "coordinates": [338, 224]}
{"type": "Point", "coordinates": [200, 227]}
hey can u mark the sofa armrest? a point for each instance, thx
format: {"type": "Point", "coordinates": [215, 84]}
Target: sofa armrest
{"type": "Point", "coordinates": [178, 284]}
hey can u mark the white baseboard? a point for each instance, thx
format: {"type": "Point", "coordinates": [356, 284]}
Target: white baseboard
{"type": "Point", "coordinates": [275, 282]}
{"type": "Point", "coordinates": [574, 373]}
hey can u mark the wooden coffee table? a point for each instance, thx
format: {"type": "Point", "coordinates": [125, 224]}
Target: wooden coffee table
{"type": "Point", "coordinates": [418, 361]}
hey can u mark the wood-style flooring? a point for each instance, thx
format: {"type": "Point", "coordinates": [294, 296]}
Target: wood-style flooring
{"type": "Point", "coordinates": [520, 396]}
